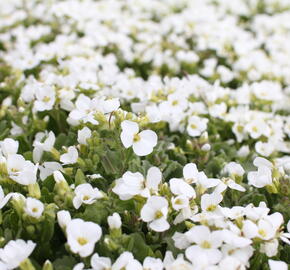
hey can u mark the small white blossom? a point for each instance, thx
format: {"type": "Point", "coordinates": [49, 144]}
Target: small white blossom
{"type": "Point", "coordinates": [85, 193]}
{"type": "Point", "coordinates": [15, 252]}
{"type": "Point", "coordinates": [277, 265]}
{"type": "Point", "coordinates": [142, 142]}
{"type": "Point", "coordinates": [34, 207]}
{"type": "Point", "coordinates": [196, 126]}
{"type": "Point", "coordinates": [155, 212]}
{"type": "Point", "coordinates": [83, 135]}
{"type": "Point", "coordinates": [20, 170]}
{"type": "Point", "coordinates": [82, 236]}
{"type": "Point", "coordinates": [100, 263]}
{"type": "Point", "coordinates": [70, 157]}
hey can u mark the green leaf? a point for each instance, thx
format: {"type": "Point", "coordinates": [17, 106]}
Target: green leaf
{"type": "Point", "coordinates": [64, 263]}
{"type": "Point", "coordinates": [111, 162]}
{"type": "Point", "coordinates": [138, 247]}
{"type": "Point", "coordinates": [173, 170]}
{"type": "Point", "coordinates": [96, 212]}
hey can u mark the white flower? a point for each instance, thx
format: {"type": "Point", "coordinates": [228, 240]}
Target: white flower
{"type": "Point", "coordinates": [218, 110]}
{"type": "Point", "coordinates": [85, 111]}
{"type": "Point", "coordinates": [264, 229]}
{"type": "Point", "coordinates": [79, 266]}
{"type": "Point", "coordinates": [132, 184]}
{"type": "Point", "coordinates": [175, 264]}
{"type": "Point", "coordinates": [210, 202]}
{"type": "Point", "coordinates": [70, 157]}
{"type": "Point", "coordinates": [277, 265]}
{"type": "Point", "coordinates": [196, 126]}
{"type": "Point", "coordinates": [242, 254]}
{"type": "Point", "coordinates": [126, 261]}
{"type": "Point", "coordinates": [15, 252]}
{"type": "Point", "coordinates": [259, 162]}
{"type": "Point", "coordinates": [257, 128]}
{"type": "Point", "coordinates": [58, 177]}
{"type": "Point", "coordinates": [207, 244]}
{"type": "Point", "coordinates": [142, 142]}
{"type": "Point", "coordinates": [42, 142]}
{"type": "Point", "coordinates": [3, 266]}
{"type": "Point", "coordinates": [239, 131]}
{"type": "Point", "coordinates": [114, 221]}
{"type": "Point", "coordinates": [63, 218]}
{"type": "Point", "coordinates": [256, 213]}
{"type": "Point", "coordinates": [231, 263]}
{"type": "Point", "coordinates": [267, 90]}
{"type": "Point", "coordinates": [83, 135]}
{"type": "Point", "coordinates": [109, 105]}
{"type": "Point", "coordinates": [20, 170]}
{"type": "Point", "coordinates": [9, 147]}
{"type": "Point", "coordinates": [4, 199]}
{"type": "Point", "coordinates": [129, 185]}
{"type": "Point", "coordinates": [179, 202]}
{"type": "Point", "coordinates": [152, 264]}
{"type": "Point", "coordinates": [284, 236]}
{"type": "Point", "coordinates": [85, 193]}
{"type": "Point", "coordinates": [82, 236]}
{"type": "Point", "coordinates": [155, 212]}
{"type": "Point", "coordinates": [180, 240]}
{"type": "Point", "coordinates": [270, 248]}
{"type": "Point", "coordinates": [234, 168]}
{"type": "Point", "coordinates": [47, 169]}
{"type": "Point", "coordinates": [263, 176]}
{"type": "Point", "coordinates": [228, 182]}
{"type": "Point", "coordinates": [45, 98]}
{"type": "Point", "coordinates": [233, 237]}
{"type": "Point", "coordinates": [243, 151]}
{"type": "Point", "coordinates": [100, 263]}
{"type": "Point", "coordinates": [265, 148]}
{"type": "Point", "coordinates": [180, 187]}
{"type": "Point", "coordinates": [33, 207]}
{"type": "Point", "coordinates": [190, 173]}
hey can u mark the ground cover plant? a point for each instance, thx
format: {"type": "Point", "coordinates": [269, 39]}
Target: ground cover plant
{"type": "Point", "coordinates": [144, 134]}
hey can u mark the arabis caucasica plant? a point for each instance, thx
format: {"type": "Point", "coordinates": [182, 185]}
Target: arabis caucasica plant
{"type": "Point", "coordinates": [144, 135]}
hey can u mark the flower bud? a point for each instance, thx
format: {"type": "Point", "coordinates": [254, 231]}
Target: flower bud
{"type": "Point", "coordinates": [34, 190]}
{"type": "Point", "coordinates": [63, 218]}
{"type": "Point", "coordinates": [206, 147]}
{"type": "Point", "coordinates": [26, 265]}
{"type": "Point", "coordinates": [114, 221]}
{"type": "Point", "coordinates": [47, 265]}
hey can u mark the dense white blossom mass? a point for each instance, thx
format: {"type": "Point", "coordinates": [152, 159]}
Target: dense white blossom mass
{"type": "Point", "coordinates": [144, 134]}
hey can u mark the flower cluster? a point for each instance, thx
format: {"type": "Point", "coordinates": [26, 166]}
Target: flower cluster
{"type": "Point", "coordinates": [144, 135]}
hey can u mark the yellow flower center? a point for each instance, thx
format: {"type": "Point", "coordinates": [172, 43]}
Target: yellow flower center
{"type": "Point", "coordinates": [262, 233]}
{"type": "Point", "coordinates": [86, 197]}
{"type": "Point", "coordinates": [46, 99]}
{"type": "Point", "coordinates": [211, 208]}
{"type": "Point", "coordinates": [34, 209]}
{"type": "Point", "coordinates": [178, 201]}
{"type": "Point", "coordinates": [136, 138]}
{"type": "Point", "coordinates": [255, 129]}
{"type": "Point", "coordinates": [158, 214]}
{"type": "Point", "coordinates": [240, 128]}
{"type": "Point", "coordinates": [193, 126]}
{"type": "Point", "coordinates": [82, 241]}
{"type": "Point", "coordinates": [174, 102]}
{"type": "Point", "coordinates": [205, 244]}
